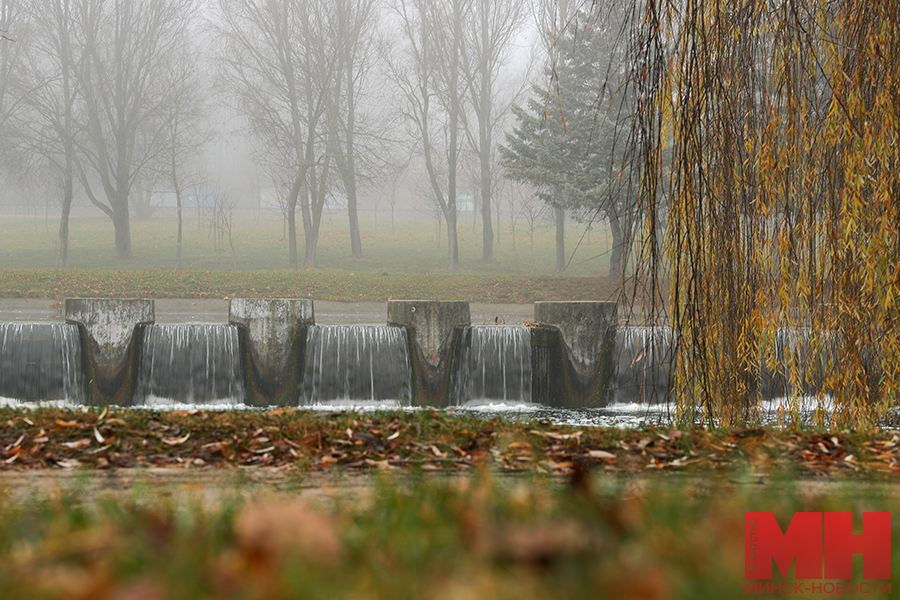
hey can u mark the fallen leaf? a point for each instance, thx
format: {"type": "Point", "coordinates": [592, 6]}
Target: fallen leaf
{"type": "Point", "coordinates": [175, 441]}
{"type": "Point", "coordinates": [83, 443]}
{"type": "Point", "coordinates": [273, 530]}
{"type": "Point", "coordinates": [600, 454]}
{"type": "Point", "coordinates": [558, 436]}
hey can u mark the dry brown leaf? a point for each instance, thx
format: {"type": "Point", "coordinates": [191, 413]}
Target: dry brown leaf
{"type": "Point", "coordinates": [272, 530]}
{"type": "Point", "coordinates": [600, 454]}
{"type": "Point", "coordinates": [82, 443]}
{"type": "Point", "coordinates": [175, 441]}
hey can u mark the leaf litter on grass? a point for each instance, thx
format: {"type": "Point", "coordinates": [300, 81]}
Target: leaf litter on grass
{"type": "Point", "coordinates": [427, 439]}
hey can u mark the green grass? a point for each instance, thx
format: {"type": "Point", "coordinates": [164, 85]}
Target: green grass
{"type": "Point", "coordinates": [422, 526]}
{"type": "Point", "coordinates": [408, 537]}
{"type": "Point", "coordinates": [318, 284]}
{"type": "Point", "coordinates": [261, 245]}
{"type": "Point", "coordinates": [406, 265]}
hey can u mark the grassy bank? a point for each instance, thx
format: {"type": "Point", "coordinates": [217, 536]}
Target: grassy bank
{"type": "Point", "coordinates": [654, 513]}
{"type": "Point", "coordinates": [260, 245]}
{"type": "Point", "coordinates": [418, 538]}
{"type": "Point", "coordinates": [415, 536]}
{"type": "Point", "coordinates": [405, 264]}
{"type": "Point", "coordinates": [435, 440]}
{"type": "Point", "coordinates": [318, 284]}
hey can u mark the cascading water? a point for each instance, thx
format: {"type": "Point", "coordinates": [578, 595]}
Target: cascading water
{"type": "Point", "coordinates": [642, 360]}
{"type": "Point", "coordinates": [494, 365]}
{"type": "Point", "coordinates": [356, 363]}
{"type": "Point", "coordinates": [802, 359]}
{"type": "Point", "coordinates": [41, 361]}
{"type": "Point", "coordinates": [190, 363]}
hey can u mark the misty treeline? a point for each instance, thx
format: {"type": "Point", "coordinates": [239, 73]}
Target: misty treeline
{"type": "Point", "coordinates": [114, 98]}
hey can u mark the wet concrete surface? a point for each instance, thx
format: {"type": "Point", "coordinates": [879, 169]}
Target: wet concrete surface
{"type": "Point", "coordinates": [216, 311]}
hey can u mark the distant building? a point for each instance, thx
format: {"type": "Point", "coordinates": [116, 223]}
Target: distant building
{"type": "Point", "coordinates": [465, 203]}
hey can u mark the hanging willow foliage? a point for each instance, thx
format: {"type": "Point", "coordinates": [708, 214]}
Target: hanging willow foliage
{"type": "Point", "coordinates": [779, 264]}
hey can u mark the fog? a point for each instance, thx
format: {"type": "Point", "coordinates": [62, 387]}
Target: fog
{"type": "Point", "coordinates": [135, 109]}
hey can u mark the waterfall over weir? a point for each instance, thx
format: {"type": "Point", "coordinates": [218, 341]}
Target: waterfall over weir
{"type": "Point", "coordinates": [190, 363]}
{"type": "Point", "coordinates": [356, 363]}
{"type": "Point", "coordinates": [494, 365]}
{"type": "Point", "coordinates": [642, 362]}
{"type": "Point", "coordinates": [40, 361]}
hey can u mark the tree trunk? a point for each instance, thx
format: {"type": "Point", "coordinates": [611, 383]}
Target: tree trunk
{"type": "Point", "coordinates": [560, 239]}
{"type": "Point", "coordinates": [180, 229]}
{"type": "Point", "coordinates": [350, 170]}
{"type": "Point", "coordinates": [452, 242]}
{"type": "Point", "coordinates": [499, 225]}
{"type": "Point", "coordinates": [453, 156]}
{"type": "Point", "coordinates": [309, 257]}
{"type": "Point", "coordinates": [122, 226]}
{"type": "Point", "coordinates": [618, 245]}
{"type": "Point", "coordinates": [296, 190]}
{"type": "Point", "coordinates": [318, 187]}
{"type": "Point", "coordinates": [178, 207]}
{"type": "Point", "coordinates": [484, 141]}
{"type": "Point", "coordinates": [68, 194]}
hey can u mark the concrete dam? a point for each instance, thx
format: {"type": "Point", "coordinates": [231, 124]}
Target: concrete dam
{"type": "Point", "coordinates": [271, 352]}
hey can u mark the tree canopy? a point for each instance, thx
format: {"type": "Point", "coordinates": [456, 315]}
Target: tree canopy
{"type": "Point", "coordinates": [568, 139]}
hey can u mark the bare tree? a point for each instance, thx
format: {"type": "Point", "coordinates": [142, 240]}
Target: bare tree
{"type": "Point", "coordinates": [279, 62]}
{"type": "Point", "coordinates": [430, 76]}
{"type": "Point", "coordinates": [48, 127]}
{"type": "Point", "coordinates": [219, 208]}
{"type": "Point", "coordinates": [185, 133]}
{"type": "Point", "coordinates": [489, 36]}
{"type": "Point", "coordinates": [11, 22]}
{"type": "Point", "coordinates": [553, 19]}
{"type": "Point", "coordinates": [355, 32]}
{"type": "Point", "coordinates": [533, 212]}
{"type": "Point", "coordinates": [392, 174]}
{"type": "Point", "coordinates": [125, 47]}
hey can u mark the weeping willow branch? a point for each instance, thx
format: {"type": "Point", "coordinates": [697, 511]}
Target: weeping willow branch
{"type": "Point", "coordinates": [773, 233]}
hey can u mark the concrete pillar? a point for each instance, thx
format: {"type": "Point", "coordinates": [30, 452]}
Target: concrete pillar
{"type": "Point", "coordinates": [432, 331]}
{"type": "Point", "coordinates": [273, 336]}
{"type": "Point", "coordinates": [111, 332]}
{"type": "Point", "coordinates": [587, 334]}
